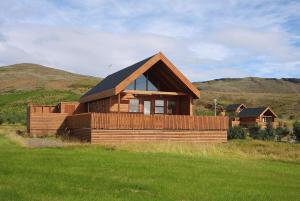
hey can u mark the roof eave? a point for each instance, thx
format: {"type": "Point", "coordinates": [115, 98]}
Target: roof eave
{"type": "Point", "coordinates": [96, 96]}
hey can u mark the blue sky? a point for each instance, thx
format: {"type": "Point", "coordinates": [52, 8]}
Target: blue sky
{"type": "Point", "coordinates": [203, 38]}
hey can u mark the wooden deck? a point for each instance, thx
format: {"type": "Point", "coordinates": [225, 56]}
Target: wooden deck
{"type": "Point", "coordinates": [125, 127]}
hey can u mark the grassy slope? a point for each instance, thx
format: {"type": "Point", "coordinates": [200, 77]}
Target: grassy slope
{"type": "Point", "coordinates": [99, 173]}
{"type": "Point", "coordinates": [27, 77]}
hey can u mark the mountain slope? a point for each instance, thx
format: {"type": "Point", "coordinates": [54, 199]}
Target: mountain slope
{"type": "Point", "coordinates": [20, 77]}
{"type": "Point", "coordinates": [252, 85]}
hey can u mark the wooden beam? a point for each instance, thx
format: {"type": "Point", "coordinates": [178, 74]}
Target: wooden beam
{"type": "Point", "coordinates": [140, 92]}
{"type": "Point", "coordinates": [119, 99]}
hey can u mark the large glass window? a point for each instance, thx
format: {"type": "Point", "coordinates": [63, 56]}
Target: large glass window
{"type": "Point", "coordinates": [150, 86]}
{"type": "Point", "coordinates": [159, 106]}
{"type": "Point", "coordinates": [171, 107]}
{"type": "Point", "coordinates": [131, 86]}
{"type": "Point", "coordinates": [142, 83]}
{"type": "Point", "coordinates": [133, 105]}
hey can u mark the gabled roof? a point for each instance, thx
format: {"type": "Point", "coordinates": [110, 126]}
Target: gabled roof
{"type": "Point", "coordinates": [233, 107]}
{"type": "Point", "coordinates": [118, 81]}
{"type": "Point", "coordinates": [255, 112]}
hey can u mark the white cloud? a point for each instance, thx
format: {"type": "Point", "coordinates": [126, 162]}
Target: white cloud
{"type": "Point", "coordinates": [205, 39]}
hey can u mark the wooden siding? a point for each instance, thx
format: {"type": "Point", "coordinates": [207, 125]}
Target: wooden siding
{"type": "Point", "coordinates": [110, 136]}
{"type": "Point", "coordinates": [41, 124]}
{"type": "Point", "coordinates": [82, 134]}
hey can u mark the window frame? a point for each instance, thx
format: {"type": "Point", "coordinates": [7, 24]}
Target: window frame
{"type": "Point", "coordinates": [175, 104]}
{"type": "Point", "coordinates": [159, 106]}
{"type": "Point", "coordinates": [138, 105]}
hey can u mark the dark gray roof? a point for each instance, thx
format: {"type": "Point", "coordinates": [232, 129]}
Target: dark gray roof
{"type": "Point", "coordinates": [112, 80]}
{"type": "Point", "coordinates": [252, 112]}
{"type": "Point", "coordinates": [233, 107]}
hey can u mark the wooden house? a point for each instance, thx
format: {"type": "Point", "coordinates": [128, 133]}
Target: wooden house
{"type": "Point", "coordinates": [151, 86]}
{"type": "Point", "coordinates": [149, 100]}
{"type": "Point", "coordinates": [233, 110]}
{"type": "Point", "coordinates": [257, 116]}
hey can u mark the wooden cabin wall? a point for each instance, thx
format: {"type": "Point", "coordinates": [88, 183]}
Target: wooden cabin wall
{"type": "Point", "coordinates": [184, 104]}
{"type": "Point", "coordinates": [249, 121]}
{"type": "Point", "coordinates": [101, 105]}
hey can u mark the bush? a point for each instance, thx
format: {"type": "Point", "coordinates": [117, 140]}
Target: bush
{"type": "Point", "coordinates": [254, 131]}
{"type": "Point", "coordinates": [236, 132]}
{"type": "Point", "coordinates": [1, 120]}
{"type": "Point", "coordinates": [266, 134]}
{"type": "Point", "coordinates": [296, 130]}
{"type": "Point", "coordinates": [269, 132]}
{"type": "Point", "coordinates": [281, 132]}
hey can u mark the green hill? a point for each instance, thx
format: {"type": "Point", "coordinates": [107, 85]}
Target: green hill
{"type": "Point", "coordinates": [252, 85]}
{"type": "Point", "coordinates": [26, 77]}
{"type": "Point", "coordinates": [31, 83]}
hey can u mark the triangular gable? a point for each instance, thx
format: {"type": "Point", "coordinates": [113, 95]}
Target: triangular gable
{"type": "Point", "coordinates": [117, 82]}
{"type": "Point", "coordinates": [268, 109]}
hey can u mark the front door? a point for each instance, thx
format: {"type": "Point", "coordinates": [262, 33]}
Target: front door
{"type": "Point", "coordinates": [147, 107]}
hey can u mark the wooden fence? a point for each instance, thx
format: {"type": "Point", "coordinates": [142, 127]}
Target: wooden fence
{"type": "Point", "coordinates": [127, 121]}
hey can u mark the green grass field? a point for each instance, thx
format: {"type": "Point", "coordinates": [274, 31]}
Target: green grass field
{"type": "Point", "coordinates": [157, 172]}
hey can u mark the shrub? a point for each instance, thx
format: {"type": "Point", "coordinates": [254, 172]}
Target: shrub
{"type": "Point", "coordinates": [262, 134]}
{"type": "Point", "coordinates": [296, 130]}
{"type": "Point", "coordinates": [1, 120]}
{"type": "Point", "coordinates": [236, 132]}
{"type": "Point", "coordinates": [254, 131]}
{"type": "Point", "coordinates": [281, 132]}
{"type": "Point", "coordinates": [269, 132]}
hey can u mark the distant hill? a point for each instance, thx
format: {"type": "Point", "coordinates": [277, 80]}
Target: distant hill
{"type": "Point", "coordinates": [26, 76]}
{"type": "Point", "coordinates": [283, 95]}
{"type": "Point", "coordinates": [252, 85]}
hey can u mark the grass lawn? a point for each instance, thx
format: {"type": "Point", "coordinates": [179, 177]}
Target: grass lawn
{"type": "Point", "coordinates": [86, 172]}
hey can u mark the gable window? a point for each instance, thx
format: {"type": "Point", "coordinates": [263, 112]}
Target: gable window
{"type": "Point", "coordinates": [142, 83]}
{"type": "Point", "coordinates": [159, 106]}
{"type": "Point", "coordinates": [133, 105]}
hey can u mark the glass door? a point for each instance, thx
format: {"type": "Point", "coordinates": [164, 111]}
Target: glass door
{"type": "Point", "coordinates": [147, 107]}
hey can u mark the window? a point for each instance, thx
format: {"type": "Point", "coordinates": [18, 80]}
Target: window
{"type": "Point", "coordinates": [142, 83]}
{"type": "Point", "coordinates": [133, 105]}
{"type": "Point", "coordinates": [150, 86]}
{"type": "Point", "coordinates": [171, 107]}
{"type": "Point", "coordinates": [131, 86]}
{"type": "Point", "coordinates": [159, 106]}
{"type": "Point", "coordinates": [267, 119]}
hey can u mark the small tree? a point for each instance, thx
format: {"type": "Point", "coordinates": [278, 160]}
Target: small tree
{"type": "Point", "coordinates": [236, 132]}
{"type": "Point", "coordinates": [296, 130]}
{"type": "Point", "coordinates": [254, 131]}
{"type": "Point", "coordinates": [269, 133]}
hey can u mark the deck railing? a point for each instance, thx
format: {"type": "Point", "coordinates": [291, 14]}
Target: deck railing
{"type": "Point", "coordinates": [129, 121]}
